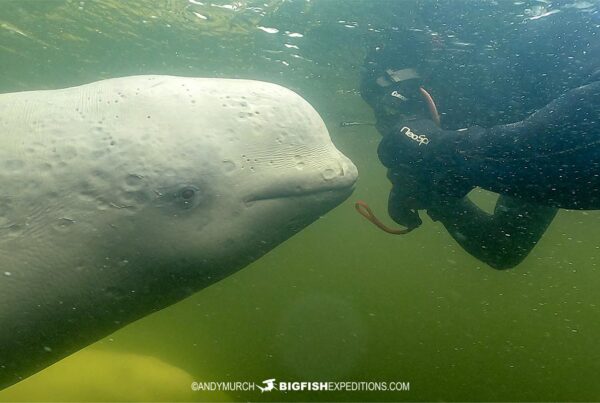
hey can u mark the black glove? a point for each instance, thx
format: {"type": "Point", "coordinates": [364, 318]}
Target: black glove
{"type": "Point", "coordinates": [398, 207]}
{"type": "Point", "coordinates": [424, 168]}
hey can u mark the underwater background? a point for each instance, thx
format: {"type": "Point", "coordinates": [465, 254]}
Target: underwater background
{"type": "Point", "coordinates": [340, 301]}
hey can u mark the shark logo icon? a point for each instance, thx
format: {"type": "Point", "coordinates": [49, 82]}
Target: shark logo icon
{"type": "Point", "coordinates": [269, 386]}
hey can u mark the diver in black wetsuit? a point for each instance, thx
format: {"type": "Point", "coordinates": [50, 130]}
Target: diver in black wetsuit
{"type": "Point", "coordinates": [545, 161]}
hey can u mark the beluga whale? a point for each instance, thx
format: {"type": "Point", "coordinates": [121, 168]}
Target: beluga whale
{"type": "Point", "coordinates": [121, 197]}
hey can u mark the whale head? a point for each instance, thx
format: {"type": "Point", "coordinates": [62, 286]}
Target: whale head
{"type": "Point", "coordinates": [218, 181]}
{"type": "Point", "coordinates": [124, 196]}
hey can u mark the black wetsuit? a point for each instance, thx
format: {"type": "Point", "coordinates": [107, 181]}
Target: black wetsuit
{"type": "Point", "coordinates": [552, 158]}
{"type": "Point", "coordinates": [549, 160]}
{"type": "Point", "coordinates": [545, 161]}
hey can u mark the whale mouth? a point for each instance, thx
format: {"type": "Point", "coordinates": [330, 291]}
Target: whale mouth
{"type": "Point", "coordinates": [341, 189]}
{"type": "Point", "coordinates": [290, 193]}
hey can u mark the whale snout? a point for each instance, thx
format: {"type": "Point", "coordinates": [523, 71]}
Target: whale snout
{"type": "Point", "coordinates": [345, 177]}
{"type": "Point", "coordinates": [335, 176]}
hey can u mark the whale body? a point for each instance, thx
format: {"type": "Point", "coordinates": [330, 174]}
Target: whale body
{"type": "Point", "coordinates": [121, 197]}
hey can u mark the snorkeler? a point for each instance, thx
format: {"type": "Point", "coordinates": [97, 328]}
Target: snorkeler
{"type": "Point", "coordinates": [538, 163]}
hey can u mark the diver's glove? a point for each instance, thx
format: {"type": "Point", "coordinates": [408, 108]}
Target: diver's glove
{"type": "Point", "coordinates": [400, 202]}
{"type": "Point", "coordinates": [425, 168]}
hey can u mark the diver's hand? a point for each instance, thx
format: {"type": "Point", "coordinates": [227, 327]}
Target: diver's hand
{"type": "Point", "coordinates": [423, 163]}
{"type": "Point", "coordinates": [401, 208]}
{"type": "Point", "coordinates": [408, 153]}
{"type": "Point", "coordinates": [409, 145]}
{"type": "Point", "coordinates": [407, 197]}
{"type": "Point", "coordinates": [413, 192]}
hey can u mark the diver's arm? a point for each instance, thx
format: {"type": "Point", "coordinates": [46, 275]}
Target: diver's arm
{"type": "Point", "coordinates": [567, 124]}
{"type": "Point", "coordinates": [550, 158]}
{"type": "Point", "coordinates": [503, 239]}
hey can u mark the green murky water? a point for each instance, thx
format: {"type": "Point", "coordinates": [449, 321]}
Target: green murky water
{"type": "Point", "coordinates": [341, 300]}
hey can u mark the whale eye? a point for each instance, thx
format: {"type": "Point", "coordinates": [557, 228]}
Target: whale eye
{"type": "Point", "coordinates": [175, 199]}
{"type": "Point", "coordinates": [188, 193]}
{"type": "Point", "coordinates": [187, 196]}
